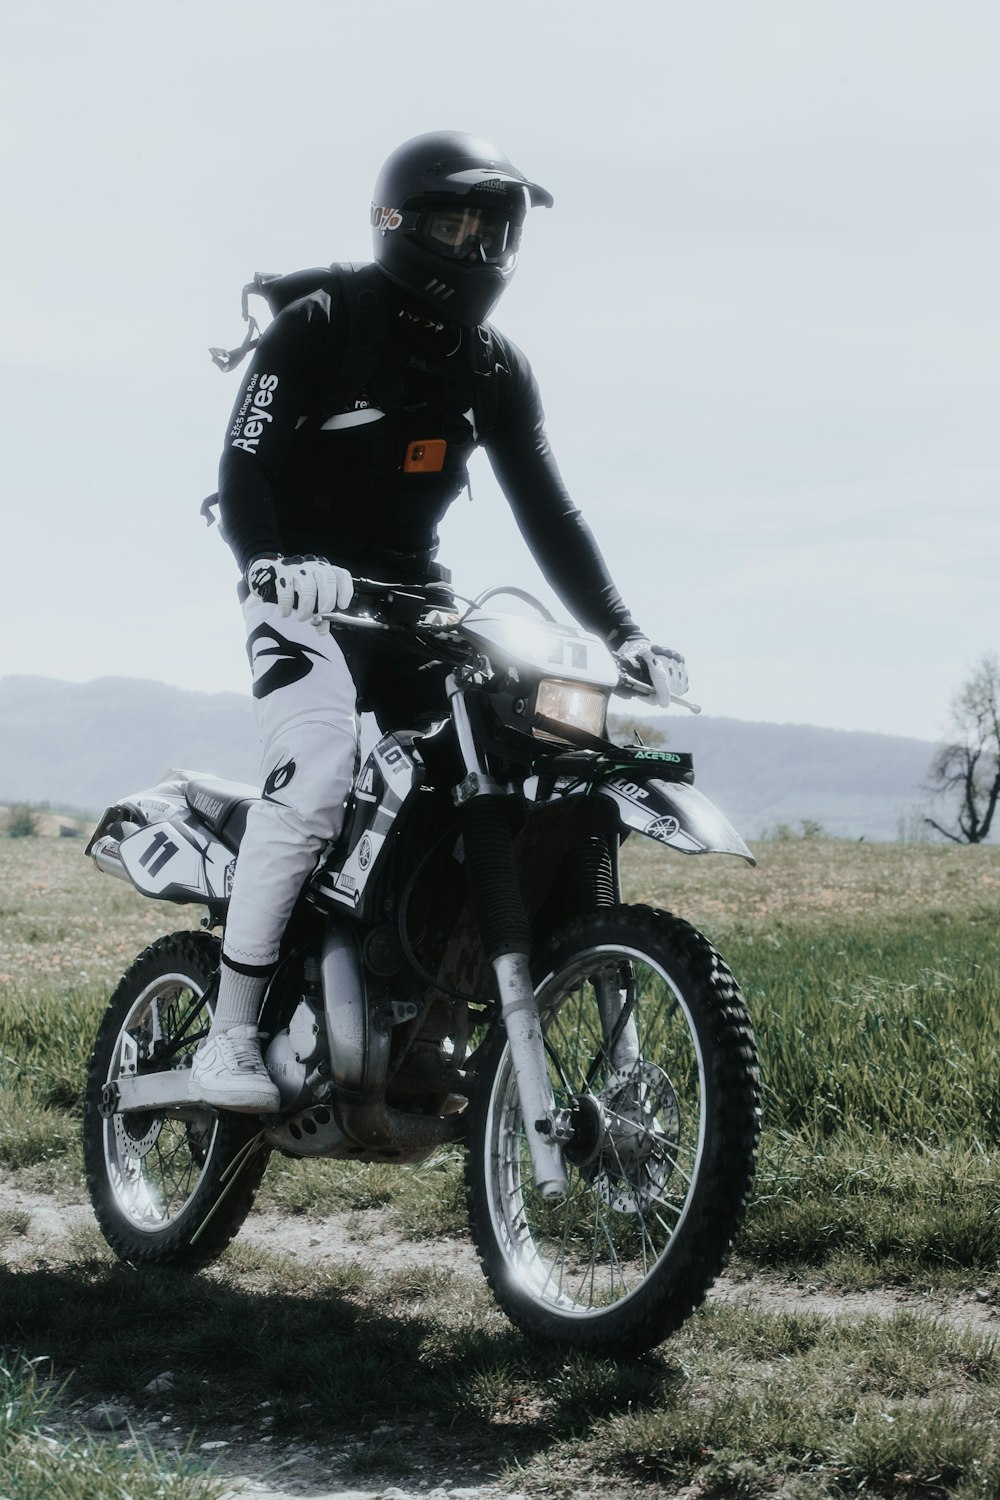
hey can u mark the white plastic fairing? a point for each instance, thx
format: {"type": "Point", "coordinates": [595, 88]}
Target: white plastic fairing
{"type": "Point", "coordinates": [547, 649]}
{"type": "Point", "coordinates": [674, 813]}
{"type": "Point", "coordinates": [175, 862]}
{"type": "Point", "coordinates": [386, 779]}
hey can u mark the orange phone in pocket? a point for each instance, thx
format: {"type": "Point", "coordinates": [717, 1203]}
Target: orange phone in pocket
{"type": "Point", "coordinates": [425, 456]}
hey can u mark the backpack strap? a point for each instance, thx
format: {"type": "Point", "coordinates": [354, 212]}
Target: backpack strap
{"type": "Point", "coordinates": [485, 371]}
{"type": "Point", "coordinates": [365, 334]}
{"type": "Point", "coordinates": [230, 359]}
{"type": "Point", "coordinates": [279, 292]}
{"type": "Point", "coordinates": [365, 349]}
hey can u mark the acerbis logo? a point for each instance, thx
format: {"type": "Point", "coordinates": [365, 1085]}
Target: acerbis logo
{"type": "Point", "coordinates": [384, 219]}
{"type": "Point", "coordinates": [252, 415]}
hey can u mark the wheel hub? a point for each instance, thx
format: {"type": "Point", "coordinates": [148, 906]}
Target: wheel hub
{"type": "Point", "coordinates": [589, 1131]}
{"type": "Point", "coordinates": [637, 1155]}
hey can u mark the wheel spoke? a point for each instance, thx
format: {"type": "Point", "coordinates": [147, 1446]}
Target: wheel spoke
{"type": "Point", "coordinates": [619, 1216]}
{"type": "Point", "coordinates": [152, 1161]}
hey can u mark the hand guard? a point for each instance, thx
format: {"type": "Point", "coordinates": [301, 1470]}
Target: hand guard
{"type": "Point", "coordinates": [307, 586]}
{"type": "Point", "coordinates": [664, 670]}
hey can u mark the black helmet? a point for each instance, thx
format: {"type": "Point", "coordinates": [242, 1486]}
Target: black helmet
{"type": "Point", "coordinates": [446, 221]}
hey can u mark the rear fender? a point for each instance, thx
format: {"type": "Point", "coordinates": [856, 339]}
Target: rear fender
{"type": "Point", "coordinates": [178, 859]}
{"type": "Point", "coordinates": [154, 840]}
{"type": "Point", "coordinates": [673, 813]}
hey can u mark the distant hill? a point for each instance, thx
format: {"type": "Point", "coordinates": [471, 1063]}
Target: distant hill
{"type": "Point", "coordinates": [81, 745]}
{"type": "Point", "coordinates": [854, 784]}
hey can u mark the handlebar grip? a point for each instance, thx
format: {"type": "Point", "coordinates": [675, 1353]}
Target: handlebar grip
{"type": "Point", "coordinates": [373, 601]}
{"type": "Point", "coordinates": [632, 686]}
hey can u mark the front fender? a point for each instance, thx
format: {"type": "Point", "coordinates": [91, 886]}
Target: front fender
{"type": "Point", "coordinates": [673, 813]}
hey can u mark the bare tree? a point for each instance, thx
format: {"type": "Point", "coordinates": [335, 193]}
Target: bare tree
{"type": "Point", "coordinates": [969, 767]}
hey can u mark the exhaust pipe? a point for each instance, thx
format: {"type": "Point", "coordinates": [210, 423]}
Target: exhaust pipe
{"type": "Point", "coordinates": [106, 857]}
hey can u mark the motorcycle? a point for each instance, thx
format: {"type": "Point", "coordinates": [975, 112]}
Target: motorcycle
{"type": "Point", "coordinates": [459, 971]}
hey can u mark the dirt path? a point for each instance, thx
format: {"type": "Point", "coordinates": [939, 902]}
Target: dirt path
{"type": "Point", "coordinates": [327, 1239]}
{"type": "Point", "coordinates": [260, 1470]}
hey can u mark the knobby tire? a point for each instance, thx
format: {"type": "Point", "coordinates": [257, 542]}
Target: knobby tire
{"type": "Point", "coordinates": [180, 1210]}
{"type": "Point", "coordinates": [657, 1206]}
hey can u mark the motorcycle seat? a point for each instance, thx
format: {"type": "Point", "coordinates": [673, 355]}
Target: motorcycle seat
{"type": "Point", "coordinates": [222, 806]}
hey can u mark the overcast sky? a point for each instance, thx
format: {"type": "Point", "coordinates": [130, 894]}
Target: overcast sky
{"type": "Point", "coordinates": [764, 313]}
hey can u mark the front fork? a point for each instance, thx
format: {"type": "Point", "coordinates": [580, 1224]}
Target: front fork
{"type": "Point", "coordinates": [621, 1036]}
{"type": "Point", "coordinates": [546, 1127]}
{"type": "Point", "coordinates": [506, 935]}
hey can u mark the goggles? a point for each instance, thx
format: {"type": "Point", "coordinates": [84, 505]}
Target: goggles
{"type": "Point", "coordinates": [490, 235]}
{"type": "Point", "coordinates": [457, 233]}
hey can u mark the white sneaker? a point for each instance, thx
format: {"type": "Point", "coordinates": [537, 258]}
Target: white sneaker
{"type": "Point", "coordinates": [228, 1070]}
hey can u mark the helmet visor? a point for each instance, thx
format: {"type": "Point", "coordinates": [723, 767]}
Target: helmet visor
{"type": "Point", "coordinates": [469, 231]}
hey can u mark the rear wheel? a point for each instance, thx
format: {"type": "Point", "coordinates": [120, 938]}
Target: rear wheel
{"type": "Point", "coordinates": [650, 1051]}
{"type": "Point", "coordinates": [169, 1188]}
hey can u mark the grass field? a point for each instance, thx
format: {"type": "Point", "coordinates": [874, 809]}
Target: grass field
{"type": "Point", "coordinates": [873, 977]}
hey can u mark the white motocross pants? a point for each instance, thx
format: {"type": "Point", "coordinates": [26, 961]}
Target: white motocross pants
{"type": "Point", "coordinates": [306, 710]}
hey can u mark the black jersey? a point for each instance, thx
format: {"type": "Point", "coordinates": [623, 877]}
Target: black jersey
{"type": "Point", "coordinates": [365, 481]}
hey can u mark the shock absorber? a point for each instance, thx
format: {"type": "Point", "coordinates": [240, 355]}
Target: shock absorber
{"type": "Point", "coordinates": [506, 936]}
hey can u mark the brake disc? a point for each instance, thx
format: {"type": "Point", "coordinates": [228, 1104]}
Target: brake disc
{"type": "Point", "coordinates": [136, 1134]}
{"type": "Point", "coordinates": [642, 1131]}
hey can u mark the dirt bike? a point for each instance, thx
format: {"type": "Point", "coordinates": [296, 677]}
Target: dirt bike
{"type": "Point", "coordinates": [460, 970]}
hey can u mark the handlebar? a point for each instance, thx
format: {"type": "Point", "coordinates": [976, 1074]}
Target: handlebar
{"type": "Point", "coordinates": [404, 602]}
{"type": "Point", "coordinates": [406, 607]}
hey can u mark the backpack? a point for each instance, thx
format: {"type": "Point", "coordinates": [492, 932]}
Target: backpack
{"type": "Point", "coordinates": [366, 313]}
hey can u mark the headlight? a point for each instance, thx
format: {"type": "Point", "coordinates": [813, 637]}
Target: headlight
{"type": "Point", "coordinates": [575, 704]}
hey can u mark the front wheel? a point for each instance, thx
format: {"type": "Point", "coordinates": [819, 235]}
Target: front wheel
{"type": "Point", "coordinates": [650, 1052]}
{"type": "Point", "coordinates": [170, 1188]}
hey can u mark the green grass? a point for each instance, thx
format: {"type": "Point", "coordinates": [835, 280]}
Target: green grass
{"type": "Point", "coordinates": [872, 975]}
{"type": "Point", "coordinates": [877, 1029]}
{"type": "Point", "coordinates": [35, 1465]}
{"type": "Point", "coordinates": [426, 1200]}
{"type": "Point", "coordinates": [831, 1408]}
{"type": "Point", "coordinates": [873, 978]}
{"type": "Point", "coordinates": [739, 1400]}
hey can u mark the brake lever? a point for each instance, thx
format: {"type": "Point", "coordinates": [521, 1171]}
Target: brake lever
{"type": "Point", "coordinates": [363, 622]}
{"type": "Point", "coordinates": [639, 689]}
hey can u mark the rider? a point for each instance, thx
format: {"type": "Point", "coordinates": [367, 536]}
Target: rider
{"type": "Point", "coordinates": [319, 484]}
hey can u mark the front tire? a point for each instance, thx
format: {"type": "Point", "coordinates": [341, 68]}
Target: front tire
{"type": "Point", "coordinates": [173, 1188]}
{"type": "Point", "coordinates": [650, 1049]}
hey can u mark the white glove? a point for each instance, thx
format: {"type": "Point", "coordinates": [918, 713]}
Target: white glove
{"type": "Point", "coordinates": [308, 586]}
{"type": "Point", "coordinates": [664, 670]}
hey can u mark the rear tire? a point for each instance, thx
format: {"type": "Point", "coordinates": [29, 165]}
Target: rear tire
{"type": "Point", "coordinates": [168, 1189]}
{"type": "Point", "coordinates": [665, 1105]}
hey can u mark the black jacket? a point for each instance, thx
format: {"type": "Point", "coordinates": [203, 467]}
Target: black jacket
{"type": "Point", "coordinates": [364, 480]}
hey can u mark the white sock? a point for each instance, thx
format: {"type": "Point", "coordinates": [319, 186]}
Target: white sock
{"type": "Point", "coordinates": [240, 995]}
